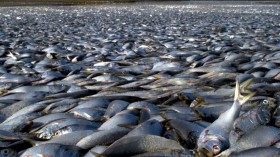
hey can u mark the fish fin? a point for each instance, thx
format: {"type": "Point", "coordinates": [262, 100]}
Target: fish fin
{"type": "Point", "coordinates": [5, 92]}
{"type": "Point", "coordinates": [199, 101]}
{"type": "Point", "coordinates": [245, 84]}
{"type": "Point", "coordinates": [164, 116]}
{"type": "Point", "coordinates": [127, 126]}
{"type": "Point", "coordinates": [240, 98]}
{"type": "Point", "coordinates": [96, 154]}
{"type": "Point", "coordinates": [31, 141]}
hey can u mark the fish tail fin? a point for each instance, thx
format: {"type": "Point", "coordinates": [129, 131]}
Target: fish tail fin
{"type": "Point", "coordinates": [244, 86]}
{"type": "Point", "coordinates": [240, 98]}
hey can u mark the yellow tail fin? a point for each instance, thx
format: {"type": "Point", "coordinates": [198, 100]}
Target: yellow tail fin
{"type": "Point", "coordinates": [238, 97]}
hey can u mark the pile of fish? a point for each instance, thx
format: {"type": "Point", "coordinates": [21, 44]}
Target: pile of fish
{"type": "Point", "coordinates": [140, 80]}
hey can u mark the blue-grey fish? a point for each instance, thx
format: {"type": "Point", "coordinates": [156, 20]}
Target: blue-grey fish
{"type": "Point", "coordinates": [102, 137]}
{"type": "Point", "coordinates": [258, 152]}
{"type": "Point", "coordinates": [52, 149]}
{"type": "Point", "coordinates": [215, 138]}
{"type": "Point", "coordinates": [254, 139]}
{"type": "Point", "coordinates": [135, 145]}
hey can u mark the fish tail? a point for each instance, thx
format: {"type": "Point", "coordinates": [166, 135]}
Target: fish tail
{"type": "Point", "coordinates": [244, 85]}
{"type": "Point", "coordinates": [240, 98]}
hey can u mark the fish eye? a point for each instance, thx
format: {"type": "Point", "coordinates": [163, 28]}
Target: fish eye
{"type": "Point", "coordinates": [216, 149]}
{"type": "Point", "coordinates": [5, 152]}
{"type": "Point", "coordinates": [57, 133]}
{"type": "Point", "coordinates": [265, 102]}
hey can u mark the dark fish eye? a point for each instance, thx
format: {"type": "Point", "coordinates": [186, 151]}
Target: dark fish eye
{"type": "Point", "coordinates": [265, 102]}
{"type": "Point", "coordinates": [56, 133]}
{"type": "Point", "coordinates": [5, 152]}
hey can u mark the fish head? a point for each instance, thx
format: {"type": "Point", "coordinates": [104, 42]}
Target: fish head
{"type": "Point", "coordinates": [211, 146]}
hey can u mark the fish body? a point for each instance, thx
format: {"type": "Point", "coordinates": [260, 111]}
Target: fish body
{"type": "Point", "coordinates": [52, 149]}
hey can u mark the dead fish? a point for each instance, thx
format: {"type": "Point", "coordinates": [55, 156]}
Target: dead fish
{"type": "Point", "coordinates": [20, 122]}
{"type": "Point", "coordinates": [48, 76]}
{"type": "Point", "coordinates": [187, 131]}
{"type": "Point", "coordinates": [66, 139]}
{"type": "Point", "coordinates": [61, 106]}
{"type": "Point", "coordinates": [250, 120]}
{"type": "Point", "coordinates": [47, 131]}
{"type": "Point", "coordinates": [258, 152]}
{"type": "Point", "coordinates": [49, 89]}
{"type": "Point", "coordinates": [51, 149]}
{"type": "Point", "coordinates": [215, 138]}
{"type": "Point", "coordinates": [102, 137]}
{"type": "Point", "coordinates": [11, 109]}
{"type": "Point", "coordinates": [34, 107]}
{"type": "Point", "coordinates": [255, 139]}
{"type": "Point", "coordinates": [22, 96]}
{"type": "Point", "coordinates": [148, 143]}
{"type": "Point", "coordinates": [14, 78]}
{"type": "Point", "coordinates": [76, 94]}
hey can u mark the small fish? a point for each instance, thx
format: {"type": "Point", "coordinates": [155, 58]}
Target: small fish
{"type": "Point", "coordinates": [254, 139]}
{"type": "Point", "coordinates": [66, 139]}
{"type": "Point", "coordinates": [48, 131]}
{"type": "Point", "coordinates": [135, 145]}
{"type": "Point", "coordinates": [45, 88]}
{"type": "Point", "coordinates": [63, 105]}
{"type": "Point", "coordinates": [20, 122]}
{"type": "Point", "coordinates": [102, 137]}
{"type": "Point", "coordinates": [258, 152]}
{"type": "Point", "coordinates": [52, 149]}
{"type": "Point", "coordinates": [250, 120]}
{"type": "Point", "coordinates": [187, 131]}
